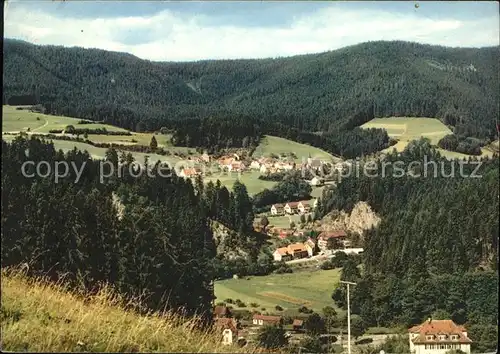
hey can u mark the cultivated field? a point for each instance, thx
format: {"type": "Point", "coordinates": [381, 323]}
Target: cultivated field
{"type": "Point", "coordinates": [406, 129]}
{"type": "Point", "coordinates": [249, 178]}
{"type": "Point", "coordinates": [274, 145]}
{"type": "Point", "coordinates": [14, 120]}
{"type": "Point", "coordinates": [20, 120]}
{"type": "Point", "coordinates": [310, 288]}
{"type": "Point", "coordinates": [99, 153]}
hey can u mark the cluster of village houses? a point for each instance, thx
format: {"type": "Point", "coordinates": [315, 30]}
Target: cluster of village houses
{"type": "Point", "coordinates": [265, 165]}
{"type": "Point", "coordinates": [308, 248]}
{"type": "Point", "coordinates": [430, 337]}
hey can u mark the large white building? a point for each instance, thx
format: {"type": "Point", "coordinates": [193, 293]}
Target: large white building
{"type": "Point", "coordinates": [438, 337]}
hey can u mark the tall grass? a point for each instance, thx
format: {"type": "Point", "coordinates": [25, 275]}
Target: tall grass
{"type": "Point", "coordinates": [39, 316]}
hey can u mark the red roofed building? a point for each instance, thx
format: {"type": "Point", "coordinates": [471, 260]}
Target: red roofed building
{"type": "Point", "coordinates": [438, 337]}
{"type": "Point", "coordinates": [297, 324]}
{"type": "Point", "coordinates": [262, 320]}
{"type": "Point", "coordinates": [188, 172]}
{"type": "Point", "coordinates": [293, 251]}
{"type": "Point", "coordinates": [222, 311]}
{"type": "Point", "coordinates": [324, 236]}
{"type": "Point", "coordinates": [229, 328]}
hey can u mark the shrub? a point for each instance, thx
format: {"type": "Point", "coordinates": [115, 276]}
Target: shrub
{"type": "Point", "coordinates": [253, 304]}
{"type": "Point", "coordinates": [229, 301]}
{"type": "Point", "coordinates": [220, 303]}
{"type": "Point", "coordinates": [263, 309]}
{"type": "Point", "coordinates": [278, 308]}
{"type": "Point", "coordinates": [364, 341]}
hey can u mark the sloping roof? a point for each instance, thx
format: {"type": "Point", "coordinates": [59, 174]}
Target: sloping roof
{"type": "Point", "coordinates": [221, 310]}
{"type": "Point", "coordinates": [278, 206]}
{"type": "Point", "coordinates": [439, 327]}
{"type": "Point", "coordinates": [189, 171]}
{"type": "Point", "coordinates": [282, 251]}
{"type": "Point", "coordinates": [297, 322]}
{"type": "Point", "coordinates": [227, 323]}
{"type": "Point", "coordinates": [310, 242]}
{"type": "Point", "coordinates": [293, 204]}
{"type": "Point", "coordinates": [328, 234]}
{"type": "Point", "coordinates": [296, 247]}
{"type": "Point", "coordinates": [266, 318]}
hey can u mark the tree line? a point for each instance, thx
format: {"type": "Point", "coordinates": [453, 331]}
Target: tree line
{"type": "Point", "coordinates": [436, 248]}
{"type": "Point", "coordinates": [316, 92]}
{"type": "Point", "coordinates": [146, 236]}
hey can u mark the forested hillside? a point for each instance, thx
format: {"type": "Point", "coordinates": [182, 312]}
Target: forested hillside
{"type": "Point", "coordinates": [436, 248]}
{"type": "Point", "coordinates": [148, 236]}
{"type": "Point", "coordinates": [317, 92]}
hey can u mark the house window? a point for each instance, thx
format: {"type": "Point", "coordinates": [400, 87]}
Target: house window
{"type": "Point", "coordinates": [429, 337]}
{"type": "Point", "coordinates": [448, 346]}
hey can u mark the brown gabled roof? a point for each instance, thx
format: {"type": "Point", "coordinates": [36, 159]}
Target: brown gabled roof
{"type": "Point", "coordinates": [297, 322]}
{"type": "Point", "coordinates": [278, 206]}
{"type": "Point", "coordinates": [439, 327]}
{"type": "Point", "coordinates": [296, 247]}
{"type": "Point", "coordinates": [265, 318]}
{"type": "Point", "coordinates": [189, 171]}
{"type": "Point", "coordinates": [293, 204]}
{"type": "Point", "coordinates": [224, 323]}
{"type": "Point", "coordinates": [282, 251]}
{"type": "Point", "coordinates": [325, 235]}
{"type": "Point", "coordinates": [221, 310]}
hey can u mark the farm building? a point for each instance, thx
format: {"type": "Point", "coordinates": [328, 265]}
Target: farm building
{"type": "Point", "coordinates": [262, 320]}
{"type": "Point", "coordinates": [293, 251]}
{"type": "Point", "coordinates": [302, 207]}
{"type": "Point", "coordinates": [297, 324]}
{"type": "Point", "coordinates": [277, 209]}
{"type": "Point", "coordinates": [222, 311]}
{"type": "Point", "coordinates": [324, 236]}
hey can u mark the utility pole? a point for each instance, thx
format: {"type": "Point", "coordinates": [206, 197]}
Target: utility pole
{"type": "Point", "coordinates": [348, 316]}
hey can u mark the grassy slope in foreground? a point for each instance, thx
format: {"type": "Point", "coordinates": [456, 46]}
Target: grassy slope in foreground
{"type": "Point", "coordinates": [42, 317]}
{"type": "Point", "coordinates": [314, 288]}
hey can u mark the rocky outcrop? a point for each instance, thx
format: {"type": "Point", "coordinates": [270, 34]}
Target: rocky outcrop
{"type": "Point", "coordinates": [360, 219]}
{"type": "Point", "coordinates": [226, 242]}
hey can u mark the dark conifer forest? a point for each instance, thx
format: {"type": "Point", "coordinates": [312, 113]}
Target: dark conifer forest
{"type": "Point", "coordinates": [317, 92]}
{"type": "Point", "coordinates": [147, 236]}
{"type": "Point", "coordinates": [436, 248]}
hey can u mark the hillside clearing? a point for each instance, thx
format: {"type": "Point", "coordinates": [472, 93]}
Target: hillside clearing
{"type": "Point", "coordinates": [275, 145]}
{"type": "Point", "coordinates": [314, 287]}
{"type": "Point", "coordinates": [42, 317]}
{"type": "Point", "coordinates": [406, 129]}
{"type": "Point", "coordinates": [15, 120]}
{"type": "Point", "coordinates": [18, 120]}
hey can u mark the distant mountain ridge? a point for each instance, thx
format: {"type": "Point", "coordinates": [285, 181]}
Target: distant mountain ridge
{"type": "Point", "coordinates": [314, 92]}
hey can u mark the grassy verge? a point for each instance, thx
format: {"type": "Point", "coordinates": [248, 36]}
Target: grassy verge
{"type": "Point", "coordinates": [38, 316]}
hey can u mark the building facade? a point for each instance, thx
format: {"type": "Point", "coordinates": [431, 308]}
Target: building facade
{"type": "Point", "coordinates": [438, 337]}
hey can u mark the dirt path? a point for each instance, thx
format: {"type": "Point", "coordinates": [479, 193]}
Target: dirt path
{"type": "Point", "coordinates": [43, 126]}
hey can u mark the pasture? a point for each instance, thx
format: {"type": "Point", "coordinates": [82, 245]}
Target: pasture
{"type": "Point", "coordinates": [275, 145]}
{"type": "Point", "coordinates": [406, 129]}
{"type": "Point", "coordinates": [14, 120]}
{"type": "Point", "coordinates": [99, 153]}
{"type": "Point", "coordinates": [249, 178]}
{"type": "Point", "coordinates": [20, 120]}
{"type": "Point", "coordinates": [312, 288]}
